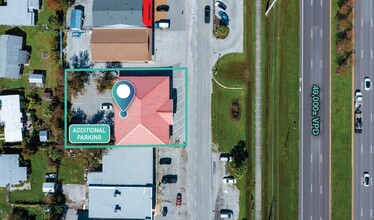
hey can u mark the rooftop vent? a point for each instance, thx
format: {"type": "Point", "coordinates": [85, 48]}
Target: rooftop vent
{"type": "Point", "coordinates": [117, 193]}
{"type": "Point", "coordinates": [117, 209]}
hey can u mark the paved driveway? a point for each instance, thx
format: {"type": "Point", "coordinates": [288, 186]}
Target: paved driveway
{"type": "Point", "coordinates": [234, 42]}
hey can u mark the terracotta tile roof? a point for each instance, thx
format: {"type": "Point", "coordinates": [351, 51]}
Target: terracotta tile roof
{"type": "Point", "coordinates": [149, 115]}
{"type": "Point", "coordinates": [122, 45]}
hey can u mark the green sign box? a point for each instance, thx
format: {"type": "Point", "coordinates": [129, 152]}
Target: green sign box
{"type": "Point", "coordinates": [89, 134]}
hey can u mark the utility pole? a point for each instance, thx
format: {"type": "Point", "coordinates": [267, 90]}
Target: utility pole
{"type": "Point", "coordinates": [271, 6]}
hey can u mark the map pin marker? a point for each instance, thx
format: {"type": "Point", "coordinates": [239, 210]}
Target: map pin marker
{"type": "Point", "coordinates": [123, 93]}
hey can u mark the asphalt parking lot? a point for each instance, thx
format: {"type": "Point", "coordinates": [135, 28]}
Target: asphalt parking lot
{"type": "Point", "coordinates": [226, 195]}
{"type": "Point", "coordinates": [179, 125]}
{"type": "Point", "coordinates": [234, 42]}
{"type": "Point", "coordinates": [166, 195]}
{"type": "Point", "coordinates": [90, 102]}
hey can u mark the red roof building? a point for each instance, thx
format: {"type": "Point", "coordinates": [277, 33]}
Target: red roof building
{"type": "Point", "coordinates": [150, 114]}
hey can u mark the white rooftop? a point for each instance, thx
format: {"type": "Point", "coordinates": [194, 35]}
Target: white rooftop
{"type": "Point", "coordinates": [114, 202]}
{"type": "Point", "coordinates": [10, 116]}
{"type": "Point", "coordinates": [19, 12]}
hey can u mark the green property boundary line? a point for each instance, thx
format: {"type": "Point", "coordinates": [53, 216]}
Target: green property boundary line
{"type": "Point", "coordinates": [66, 71]}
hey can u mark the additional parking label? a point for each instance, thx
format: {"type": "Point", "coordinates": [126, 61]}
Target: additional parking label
{"type": "Point", "coordinates": [315, 110]}
{"type": "Point", "coordinates": [89, 134]}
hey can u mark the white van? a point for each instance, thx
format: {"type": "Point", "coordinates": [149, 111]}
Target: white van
{"type": "Point", "coordinates": [226, 213]}
{"type": "Point", "coordinates": [163, 23]}
{"type": "Point", "coordinates": [225, 157]}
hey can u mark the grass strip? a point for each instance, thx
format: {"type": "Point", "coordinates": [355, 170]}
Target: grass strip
{"type": "Point", "coordinates": [341, 137]}
{"type": "Point", "coordinates": [280, 116]}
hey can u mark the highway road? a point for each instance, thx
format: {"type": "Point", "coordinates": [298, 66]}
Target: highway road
{"type": "Point", "coordinates": [199, 169]}
{"type": "Point", "coordinates": [314, 148]}
{"type": "Point", "coordinates": [363, 143]}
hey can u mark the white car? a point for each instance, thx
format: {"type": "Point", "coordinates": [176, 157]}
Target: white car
{"type": "Point", "coordinates": [367, 84]}
{"type": "Point", "coordinates": [366, 180]}
{"type": "Point", "coordinates": [106, 106]}
{"type": "Point", "coordinates": [229, 179]}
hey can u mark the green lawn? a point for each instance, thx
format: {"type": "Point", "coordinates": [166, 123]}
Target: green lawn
{"type": "Point", "coordinates": [39, 168]}
{"type": "Point", "coordinates": [4, 206]}
{"type": "Point", "coordinates": [341, 141]}
{"type": "Point", "coordinates": [71, 171]}
{"type": "Point", "coordinates": [280, 140]}
{"type": "Point", "coordinates": [40, 40]}
{"type": "Point", "coordinates": [235, 70]}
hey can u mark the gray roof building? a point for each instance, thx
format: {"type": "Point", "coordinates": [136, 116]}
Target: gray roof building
{"type": "Point", "coordinates": [116, 202]}
{"type": "Point", "coordinates": [19, 12]}
{"type": "Point", "coordinates": [124, 188]}
{"type": "Point", "coordinates": [37, 79]}
{"type": "Point", "coordinates": [124, 13]}
{"type": "Point", "coordinates": [11, 56]}
{"type": "Point", "coordinates": [43, 136]}
{"type": "Point", "coordinates": [11, 172]}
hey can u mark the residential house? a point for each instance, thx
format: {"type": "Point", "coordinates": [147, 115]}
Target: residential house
{"type": "Point", "coordinates": [12, 56]}
{"type": "Point", "coordinates": [19, 12]}
{"type": "Point", "coordinates": [11, 117]}
{"type": "Point", "coordinates": [11, 172]}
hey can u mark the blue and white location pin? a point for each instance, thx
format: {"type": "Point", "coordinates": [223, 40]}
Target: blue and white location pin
{"type": "Point", "coordinates": [123, 93]}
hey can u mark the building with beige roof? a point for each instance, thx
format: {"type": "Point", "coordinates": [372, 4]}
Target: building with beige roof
{"type": "Point", "coordinates": [121, 45]}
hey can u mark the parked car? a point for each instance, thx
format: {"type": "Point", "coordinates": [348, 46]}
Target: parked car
{"type": "Point", "coordinates": [106, 106]}
{"type": "Point", "coordinates": [225, 157]}
{"type": "Point", "coordinates": [207, 14]}
{"type": "Point", "coordinates": [164, 211]}
{"type": "Point", "coordinates": [165, 161]}
{"type": "Point", "coordinates": [226, 213]}
{"type": "Point", "coordinates": [163, 23]}
{"type": "Point", "coordinates": [229, 179]}
{"type": "Point", "coordinates": [169, 178]}
{"type": "Point", "coordinates": [178, 200]}
{"type": "Point", "coordinates": [366, 179]}
{"type": "Point", "coordinates": [367, 83]}
{"type": "Point", "coordinates": [220, 5]}
{"type": "Point", "coordinates": [162, 8]}
{"type": "Point", "coordinates": [224, 17]}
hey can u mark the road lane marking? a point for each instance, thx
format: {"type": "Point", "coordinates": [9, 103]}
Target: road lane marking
{"type": "Point", "coordinates": [362, 148]}
{"type": "Point", "coordinates": [371, 149]}
{"type": "Point", "coordinates": [371, 54]}
{"type": "Point", "coordinates": [311, 33]}
{"type": "Point", "coordinates": [320, 158]}
{"type": "Point", "coordinates": [362, 53]}
{"type": "Point", "coordinates": [311, 188]}
{"type": "Point", "coordinates": [311, 158]}
{"type": "Point", "coordinates": [320, 189]}
{"type": "Point", "coordinates": [371, 213]}
{"type": "Point", "coordinates": [320, 33]}
{"type": "Point", "coordinates": [321, 2]}
{"type": "Point", "coordinates": [311, 217]}
{"type": "Point", "coordinates": [361, 212]}
{"type": "Point", "coordinates": [362, 22]}
{"type": "Point", "coordinates": [371, 22]}
{"type": "Point", "coordinates": [371, 116]}
{"type": "Point", "coordinates": [311, 64]}
{"type": "Point", "coordinates": [321, 64]}
{"type": "Point", "coordinates": [311, 2]}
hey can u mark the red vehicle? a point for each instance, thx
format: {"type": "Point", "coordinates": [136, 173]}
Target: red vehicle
{"type": "Point", "coordinates": [179, 200]}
